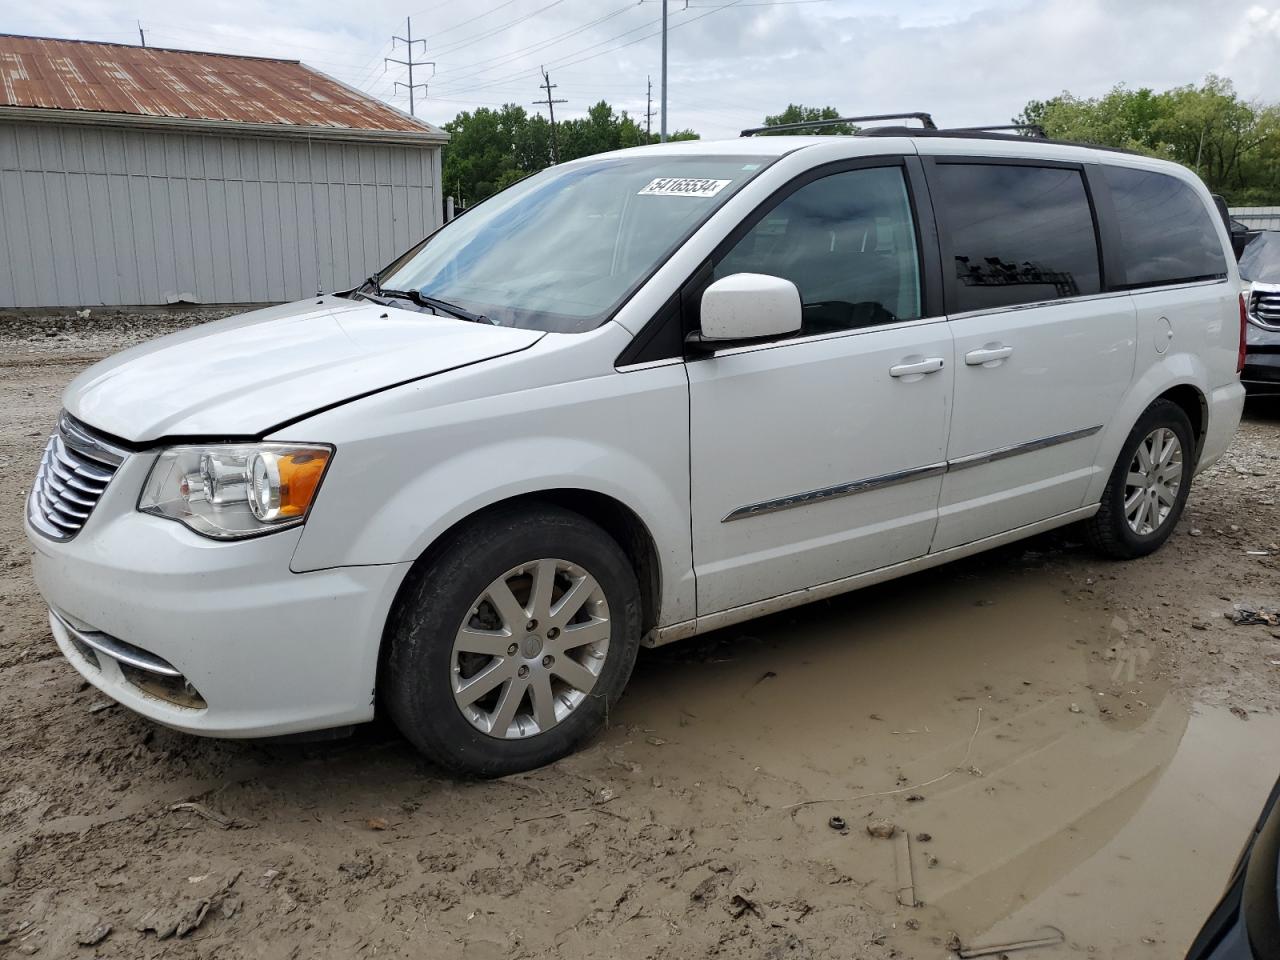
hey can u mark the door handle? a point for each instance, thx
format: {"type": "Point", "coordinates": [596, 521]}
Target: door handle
{"type": "Point", "coordinates": [916, 367]}
{"type": "Point", "coordinates": [987, 354]}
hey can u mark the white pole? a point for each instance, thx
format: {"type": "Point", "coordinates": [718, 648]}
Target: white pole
{"type": "Point", "coordinates": [663, 136]}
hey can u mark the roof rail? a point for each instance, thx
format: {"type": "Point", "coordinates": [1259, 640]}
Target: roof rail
{"type": "Point", "coordinates": [1033, 128]}
{"type": "Point", "coordinates": [924, 118]}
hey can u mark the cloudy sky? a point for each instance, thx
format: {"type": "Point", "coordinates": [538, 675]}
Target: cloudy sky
{"type": "Point", "coordinates": [730, 62]}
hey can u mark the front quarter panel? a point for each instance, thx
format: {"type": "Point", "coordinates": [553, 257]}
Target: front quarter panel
{"type": "Point", "coordinates": [413, 461]}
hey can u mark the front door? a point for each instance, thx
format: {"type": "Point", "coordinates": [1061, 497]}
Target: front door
{"type": "Point", "coordinates": [820, 455]}
{"type": "Point", "coordinates": [1043, 358]}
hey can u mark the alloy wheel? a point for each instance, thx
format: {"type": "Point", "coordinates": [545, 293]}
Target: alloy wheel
{"type": "Point", "coordinates": [1155, 476]}
{"type": "Point", "coordinates": [530, 649]}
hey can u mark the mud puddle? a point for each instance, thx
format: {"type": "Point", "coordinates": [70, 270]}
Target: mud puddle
{"type": "Point", "coordinates": [1026, 744]}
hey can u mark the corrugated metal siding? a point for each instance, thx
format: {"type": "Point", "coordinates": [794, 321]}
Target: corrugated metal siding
{"type": "Point", "coordinates": [1258, 218]}
{"type": "Point", "coordinates": [100, 216]}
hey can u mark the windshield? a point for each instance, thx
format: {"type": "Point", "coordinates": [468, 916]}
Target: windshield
{"type": "Point", "coordinates": [562, 249]}
{"type": "Point", "coordinates": [1261, 258]}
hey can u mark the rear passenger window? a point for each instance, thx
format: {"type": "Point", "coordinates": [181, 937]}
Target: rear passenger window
{"type": "Point", "coordinates": [1166, 233]}
{"type": "Point", "coordinates": [848, 243]}
{"type": "Point", "coordinates": [1019, 234]}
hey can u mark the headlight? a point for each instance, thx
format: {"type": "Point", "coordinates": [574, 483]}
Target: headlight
{"type": "Point", "coordinates": [230, 490]}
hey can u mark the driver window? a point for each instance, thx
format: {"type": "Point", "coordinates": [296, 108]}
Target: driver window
{"type": "Point", "coordinates": [847, 242]}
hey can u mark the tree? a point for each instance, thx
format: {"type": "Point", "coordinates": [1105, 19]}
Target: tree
{"type": "Point", "coordinates": [491, 149]}
{"type": "Point", "coordinates": [796, 113]}
{"type": "Point", "coordinates": [1233, 144]}
{"type": "Point", "coordinates": [1123, 118]}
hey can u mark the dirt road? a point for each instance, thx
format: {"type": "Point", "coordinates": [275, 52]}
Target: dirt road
{"type": "Point", "coordinates": [1064, 744]}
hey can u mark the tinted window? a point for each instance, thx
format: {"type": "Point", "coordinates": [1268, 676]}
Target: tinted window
{"type": "Point", "coordinates": [1018, 234]}
{"type": "Point", "coordinates": [1166, 233]}
{"type": "Point", "coordinates": [847, 242]}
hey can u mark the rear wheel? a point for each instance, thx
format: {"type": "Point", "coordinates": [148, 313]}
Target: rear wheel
{"type": "Point", "coordinates": [1149, 485]}
{"type": "Point", "coordinates": [509, 649]}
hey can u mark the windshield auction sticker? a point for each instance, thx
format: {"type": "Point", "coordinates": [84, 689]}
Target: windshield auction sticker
{"type": "Point", "coordinates": [683, 187]}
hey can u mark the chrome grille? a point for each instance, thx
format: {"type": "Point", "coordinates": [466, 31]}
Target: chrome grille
{"type": "Point", "coordinates": [1264, 307]}
{"type": "Point", "coordinates": [74, 472]}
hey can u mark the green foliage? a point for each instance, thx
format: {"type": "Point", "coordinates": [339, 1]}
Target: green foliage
{"type": "Point", "coordinates": [796, 113]}
{"type": "Point", "coordinates": [492, 149]}
{"type": "Point", "coordinates": [1233, 144]}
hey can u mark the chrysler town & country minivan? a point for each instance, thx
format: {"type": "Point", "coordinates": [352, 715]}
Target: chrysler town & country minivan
{"type": "Point", "coordinates": [628, 400]}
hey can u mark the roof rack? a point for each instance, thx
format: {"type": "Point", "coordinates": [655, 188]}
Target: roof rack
{"type": "Point", "coordinates": [926, 122]}
{"type": "Point", "coordinates": [1033, 128]}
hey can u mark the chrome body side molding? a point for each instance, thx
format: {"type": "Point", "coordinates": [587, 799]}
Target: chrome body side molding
{"type": "Point", "coordinates": [1016, 449]}
{"type": "Point", "coordinates": [905, 476]}
{"type": "Point", "coordinates": [840, 490]}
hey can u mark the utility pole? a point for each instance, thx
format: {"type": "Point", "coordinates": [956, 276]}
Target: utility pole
{"type": "Point", "coordinates": [141, 36]}
{"type": "Point", "coordinates": [663, 136]}
{"type": "Point", "coordinates": [408, 41]}
{"type": "Point", "coordinates": [648, 110]}
{"type": "Point", "coordinates": [551, 109]}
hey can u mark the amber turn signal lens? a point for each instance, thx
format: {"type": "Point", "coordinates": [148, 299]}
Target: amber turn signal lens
{"type": "Point", "coordinates": [300, 474]}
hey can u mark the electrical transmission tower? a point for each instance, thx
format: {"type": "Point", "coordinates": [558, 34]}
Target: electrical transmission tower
{"type": "Point", "coordinates": [408, 42]}
{"type": "Point", "coordinates": [548, 86]}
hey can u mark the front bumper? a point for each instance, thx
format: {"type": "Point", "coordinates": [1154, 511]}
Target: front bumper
{"type": "Point", "coordinates": [1261, 373]}
{"type": "Point", "coordinates": [269, 651]}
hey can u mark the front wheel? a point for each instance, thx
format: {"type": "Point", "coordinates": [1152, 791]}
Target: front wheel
{"type": "Point", "coordinates": [509, 649]}
{"type": "Point", "coordinates": [1149, 485]}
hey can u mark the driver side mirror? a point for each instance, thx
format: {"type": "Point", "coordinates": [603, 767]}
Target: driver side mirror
{"type": "Point", "coordinates": [749, 306]}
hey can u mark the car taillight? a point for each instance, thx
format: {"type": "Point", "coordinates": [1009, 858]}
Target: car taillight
{"type": "Point", "coordinates": [1244, 328]}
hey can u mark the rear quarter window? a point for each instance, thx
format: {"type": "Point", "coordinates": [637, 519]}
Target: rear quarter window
{"type": "Point", "coordinates": [1167, 234]}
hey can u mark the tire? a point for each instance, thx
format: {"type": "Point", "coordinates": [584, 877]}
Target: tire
{"type": "Point", "coordinates": [448, 638]}
{"type": "Point", "coordinates": [1116, 531]}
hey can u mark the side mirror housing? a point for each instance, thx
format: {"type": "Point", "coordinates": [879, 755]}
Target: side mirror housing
{"type": "Point", "coordinates": [749, 306]}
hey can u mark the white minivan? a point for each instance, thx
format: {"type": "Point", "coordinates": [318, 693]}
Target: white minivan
{"type": "Point", "coordinates": [628, 400]}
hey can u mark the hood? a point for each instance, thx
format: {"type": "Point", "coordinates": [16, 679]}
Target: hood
{"type": "Point", "coordinates": [241, 376]}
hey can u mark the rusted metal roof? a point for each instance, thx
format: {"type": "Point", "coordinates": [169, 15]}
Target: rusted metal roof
{"type": "Point", "coordinates": [152, 82]}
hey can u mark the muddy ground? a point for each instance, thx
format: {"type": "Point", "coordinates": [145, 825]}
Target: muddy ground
{"type": "Point", "coordinates": [1063, 743]}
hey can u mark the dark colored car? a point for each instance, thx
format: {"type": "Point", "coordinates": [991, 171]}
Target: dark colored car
{"type": "Point", "coordinates": [1260, 268]}
{"type": "Point", "coordinates": [1246, 923]}
{"type": "Point", "coordinates": [1241, 235]}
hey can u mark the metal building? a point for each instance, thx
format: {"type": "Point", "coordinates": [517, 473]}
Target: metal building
{"type": "Point", "coordinates": [1258, 218]}
{"type": "Point", "coordinates": [139, 176]}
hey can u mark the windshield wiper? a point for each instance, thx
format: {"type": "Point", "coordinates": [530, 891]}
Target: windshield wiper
{"type": "Point", "coordinates": [370, 289]}
{"type": "Point", "coordinates": [436, 304]}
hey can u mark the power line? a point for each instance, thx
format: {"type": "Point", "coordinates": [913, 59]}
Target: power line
{"type": "Point", "coordinates": [524, 73]}
{"type": "Point", "coordinates": [367, 73]}
{"type": "Point", "coordinates": [566, 61]}
{"type": "Point", "coordinates": [492, 31]}
{"type": "Point", "coordinates": [408, 42]}
{"type": "Point", "coordinates": [756, 3]}
{"type": "Point", "coordinates": [540, 45]}
{"type": "Point", "coordinates": [176, 41]}
{"type": "Point", "coordinates": [478, 16]}
{"type": "Point", "coordinates": [222, 32]}
{"type": "Point", "coordinates": [682, 23]}
{"type": "Point", "coordinates": [551, 109]}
